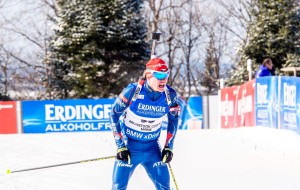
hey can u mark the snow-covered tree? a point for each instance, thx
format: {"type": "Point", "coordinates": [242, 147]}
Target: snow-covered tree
{"type": "Point", "coordinates": [98, 47]}
{"type": "Point", "coordinates": [274, 32]}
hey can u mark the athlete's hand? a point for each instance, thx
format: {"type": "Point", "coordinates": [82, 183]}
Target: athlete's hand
{"type": "Point", "coordinates": [123, 154]}
{"type": "Point", "coordinates": [167, 154]}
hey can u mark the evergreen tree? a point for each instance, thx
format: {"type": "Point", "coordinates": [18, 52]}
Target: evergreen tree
{"type": "Point", "coordinates": [273, 33]}
{"type": "Point", "coordinates": [98, 47]}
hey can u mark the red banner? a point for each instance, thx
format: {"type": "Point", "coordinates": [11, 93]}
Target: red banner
{"type": "Point", "coordinates": [228, 106]}
{"type": "Point", "coordinates": [245, 104]}
{"type": "Point", "coordinates": [8, 117]}
{"type": "Point", "coordinates": [237, 105]}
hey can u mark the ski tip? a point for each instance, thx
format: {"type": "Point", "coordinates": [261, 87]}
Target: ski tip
{"type": "Point", "coordinates": [8, 171]}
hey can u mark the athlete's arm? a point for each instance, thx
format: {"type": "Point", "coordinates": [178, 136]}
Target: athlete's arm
{"type": "Point", "coordinates": [121, 103]}
{"type": "Point", "coordinates": [172, 119]}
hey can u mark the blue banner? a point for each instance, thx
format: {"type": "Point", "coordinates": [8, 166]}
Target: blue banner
{"type": "Point", "coordinates": [266, 102]}
{"type": "Point", "coordinates": [290, 103]}
{"type": "Point", "coordinates": [298, 104]}
{"type": "Point", "coordinates": [192, 114]}
{"type": "Point", "coordinates": [66, 115]}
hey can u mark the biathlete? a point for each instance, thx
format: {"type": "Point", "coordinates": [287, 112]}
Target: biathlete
{"type": "Point", "coordinates": [136, 121]}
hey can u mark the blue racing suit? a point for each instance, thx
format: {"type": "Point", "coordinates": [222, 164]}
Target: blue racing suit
{"type": "Point", "coordinates": [136, 124]}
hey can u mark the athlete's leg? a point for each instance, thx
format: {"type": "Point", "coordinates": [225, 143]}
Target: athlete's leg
{"type": "Point", "coordinates": [157, 170]}
{"type": "Point", "coordinates": [121, 174]}
{"type": "Point", "coordinates": [122, 170]}
{"type": "Point", "coordinates": [159, 174]}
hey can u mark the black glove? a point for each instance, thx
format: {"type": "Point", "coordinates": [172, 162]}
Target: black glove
{"type": "Point", "coordinates": [123, 154]}
{"type": "Point", "coordinates": [167, 154]}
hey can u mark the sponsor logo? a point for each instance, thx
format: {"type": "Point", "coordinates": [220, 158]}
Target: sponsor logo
{"type": "Point", "coordinates": [144, 136]}
{"type": "Point", "coordinates": [140, 96]}
{"type": "Point", "coordinates": [245, 105]}
{"type": "Point", "coordinates": [146, 107]}
{"type": "Point", "coordinates": [8, 106]}
{"type": "Point", "coordinates": [77, 112]}
{"type": "Point", "coordinates": [62, 118]}
{"type": "Point", "coordinates": [227, 109]}
{"type": "Point", "coordinates": [262, 93]}
{"type": "Point", "coordinates": [159, 65]}
{"type": "Point", "coordinates": [145, 127]}
{"type": "Point", "coordinates": [152, 136]}
{"type": "Point", "coordinates": [157, 164]}
{"type": "Point", "coordinates": [121, 164]}
{"type": "Point", "coordinates": [62, 127]}
{"type": "Point", "coordinates": [289, 95]}
{"type": "Point", "coordinates": [134, 134]}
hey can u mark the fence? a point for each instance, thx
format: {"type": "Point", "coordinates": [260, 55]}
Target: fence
{"type": "Point", "coordinates": [77, 115]}
{"type": "Point", "coordinates": [267, 101]}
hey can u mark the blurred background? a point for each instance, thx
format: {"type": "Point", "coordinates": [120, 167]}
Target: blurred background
{"type": "Point", "coordinates": [52, 49]}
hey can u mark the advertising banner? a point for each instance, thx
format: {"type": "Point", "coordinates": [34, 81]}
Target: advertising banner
{"type": "Point", "coordinates": [192, 114]}
{"type": "Point", "coordinates": [66, 115]}
{"type": "Point", "coordinates": [8, 117]}
{"type": "Point", "coordinates": [245, 104]}
{"type": "Point", "coordinates": [289, 103]}
{"type": "Point", "coordinates": [228, 106]}
{"type": "Point", "coordinates": [266, 102]}
{"type": "Point", "coordinates": [298, 104]}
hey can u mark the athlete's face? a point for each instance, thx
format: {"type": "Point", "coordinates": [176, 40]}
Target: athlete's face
{"type": "Point", "coordinates": [156, 84]}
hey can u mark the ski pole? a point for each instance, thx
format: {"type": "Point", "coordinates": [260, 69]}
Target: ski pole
{"type": "Point", "coordinates": [173, 176]}
{"type": "Point", "coordinates": [57, 165]}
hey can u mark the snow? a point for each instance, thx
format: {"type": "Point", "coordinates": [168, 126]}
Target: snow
{"type": "Point", "coordinates": [217, 159]}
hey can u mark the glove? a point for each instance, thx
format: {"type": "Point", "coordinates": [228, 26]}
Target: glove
{"type": "Point", "coordinates": [123, 154]}
{"type": "Point", "coordinates": [167, 154]}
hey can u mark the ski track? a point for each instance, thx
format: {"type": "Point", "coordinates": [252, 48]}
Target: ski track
{"type": "Point", "coordinates": [245, 158]}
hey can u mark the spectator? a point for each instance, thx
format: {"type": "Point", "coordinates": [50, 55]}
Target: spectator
{"type": "Point", "coordinates": [266, 69]}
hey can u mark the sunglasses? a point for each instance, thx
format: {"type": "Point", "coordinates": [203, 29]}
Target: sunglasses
{"type": "Point", "coordinates": [160, 75]}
